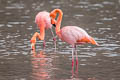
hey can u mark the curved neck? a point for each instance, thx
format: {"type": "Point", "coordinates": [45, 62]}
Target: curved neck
{"type": "Point", "coordinates": [42, 30]}
{"type": "Point", "coordinates": [59, 20]}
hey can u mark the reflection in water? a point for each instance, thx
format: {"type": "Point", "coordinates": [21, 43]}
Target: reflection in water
{"type": "Point", "coordinates": [40, 66]}
{"type": "Point", "coordinates": [75, 73]}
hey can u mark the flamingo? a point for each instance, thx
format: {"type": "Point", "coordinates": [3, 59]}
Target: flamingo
{"type": "Point", "coordinates": [73, 35]}
{"type": "Point", "coordinates": [43, 21]}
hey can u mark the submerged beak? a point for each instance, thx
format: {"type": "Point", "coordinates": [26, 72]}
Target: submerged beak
{"type": "Point", "coordinates": [54, 25]}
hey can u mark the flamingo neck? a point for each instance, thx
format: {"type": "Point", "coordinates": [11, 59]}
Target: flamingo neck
{"type": "Point", "coordinates": [42, 30]}
{"type": "Point", "coordinates": [59, 20]}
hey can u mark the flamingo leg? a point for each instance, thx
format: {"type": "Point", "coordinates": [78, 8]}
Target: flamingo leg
{"type": "Point", "coordinates": [33, 40]}
{"type": "Point", "coordinates": [44, 44]}
{"type": "Point", "coordinates": [76, 56]}
{"type": "Point", "coordinates": [54, 38]}
{"type": "Point", "coordinates": [73, 51]}
{"type": "Point", "coordinates": [72, 61]}
{"type": "Point", "coordinates": [76, 60]}
{"type": "Point", "coordinates": [73, 57]}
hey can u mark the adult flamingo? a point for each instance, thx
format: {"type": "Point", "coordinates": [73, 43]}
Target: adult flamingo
{"type": "Point", "coordinates": [71, 34]}
{"type": "Point", "coordinates": [43, 21]}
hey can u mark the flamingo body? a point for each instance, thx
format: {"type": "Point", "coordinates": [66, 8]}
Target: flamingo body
{"type": "Point", "coordinates": [43, 18]}
{"type": "Point", "coordinates": [74, 34]}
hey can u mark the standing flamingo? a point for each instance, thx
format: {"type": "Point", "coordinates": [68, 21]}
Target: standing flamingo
{"type": "Point", "coordinates": [73, 35]}
{"type": "Point", "coordinates": [43, 21]}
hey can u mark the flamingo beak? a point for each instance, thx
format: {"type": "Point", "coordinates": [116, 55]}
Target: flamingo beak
{"type": "Point", "coordinates": [54, 25]}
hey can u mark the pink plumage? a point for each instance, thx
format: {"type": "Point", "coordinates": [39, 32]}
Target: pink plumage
{"type": "Point", "coordinates": [43, 17]}
{"type": "Point", "coordinates": [71, 34]}
{"type": "Point", "coordinates": [43, 21]}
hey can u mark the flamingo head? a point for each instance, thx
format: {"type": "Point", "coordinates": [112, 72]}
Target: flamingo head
{"type": "Point", "coordinates": [53, 16]}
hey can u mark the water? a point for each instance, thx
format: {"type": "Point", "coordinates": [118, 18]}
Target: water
{"type": "Point", "coordinates": [100, 18]}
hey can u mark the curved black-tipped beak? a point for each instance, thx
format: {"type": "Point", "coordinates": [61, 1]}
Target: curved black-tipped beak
{"type": "Point", "coordinates": [54, 25]}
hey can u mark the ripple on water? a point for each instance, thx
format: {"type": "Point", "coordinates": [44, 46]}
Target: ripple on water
{"type": "Point", "coordinates": [87, 54]}
{"type": "Point", "coordinates": [25, 17]}
{"type": "Point", "coordinates": [15, 6]}
{"type": "Point", "coordinates": [11, 23]}
{"type": "Point", "coordinates": [29, 28]}
{"type": "Point", "coordinates": [1, 25]}
{"type": "Point", "coordinates": [105, 28]}
{"type": "Point", "coordinates": [56, 6]}
{"type": "Point", "coordinates": [84, 2]}
{"type": "Point", "coordinates": [108, 3]}
{"type": "Point", "coordinates": [106, 19]}
{"type": "Point", "coordinates": [111, 54]}
{"type": "Point", "coordinates": [97, 5]}
{"type": "Point", "coordinates": [99, 23]}
{"type": "Point", "coordinates": [8, 13]}
{"type": "Point", "coordinates": [8, 25]}
{"type": "Point", "coordinates": [118, 12]}
{"type": "Point", "coordinates": [2, 51]}
{"type": "Point", "coordinates": [78, 15]}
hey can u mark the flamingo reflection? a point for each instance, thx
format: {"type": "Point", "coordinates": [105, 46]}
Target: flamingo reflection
{"type": "Point", "coordinates": [75, 67]}
{"type": "Point", "coordinates": [40, 66]}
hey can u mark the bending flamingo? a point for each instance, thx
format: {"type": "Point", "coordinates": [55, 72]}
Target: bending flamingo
{"type": "Point", "coordinates": [73, 35]}
{"type": "Point", "coordinates": [43, 21]}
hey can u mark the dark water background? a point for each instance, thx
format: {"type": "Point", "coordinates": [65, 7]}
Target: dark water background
{"type": "Point", "coordinates": [100, 18]}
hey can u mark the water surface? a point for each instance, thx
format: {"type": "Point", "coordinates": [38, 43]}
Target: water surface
{"type": "Point", "coordinates": [100, 18]}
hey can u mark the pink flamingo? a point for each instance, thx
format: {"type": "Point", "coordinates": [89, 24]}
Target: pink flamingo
{"type": "Point", "coordinates": [43, 21]}
{"type": "Point", "coordinates": [73, 35]}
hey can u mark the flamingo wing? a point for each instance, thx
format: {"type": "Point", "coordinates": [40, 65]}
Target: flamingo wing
{"type": "Point", "coordinates": [74, 34]}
